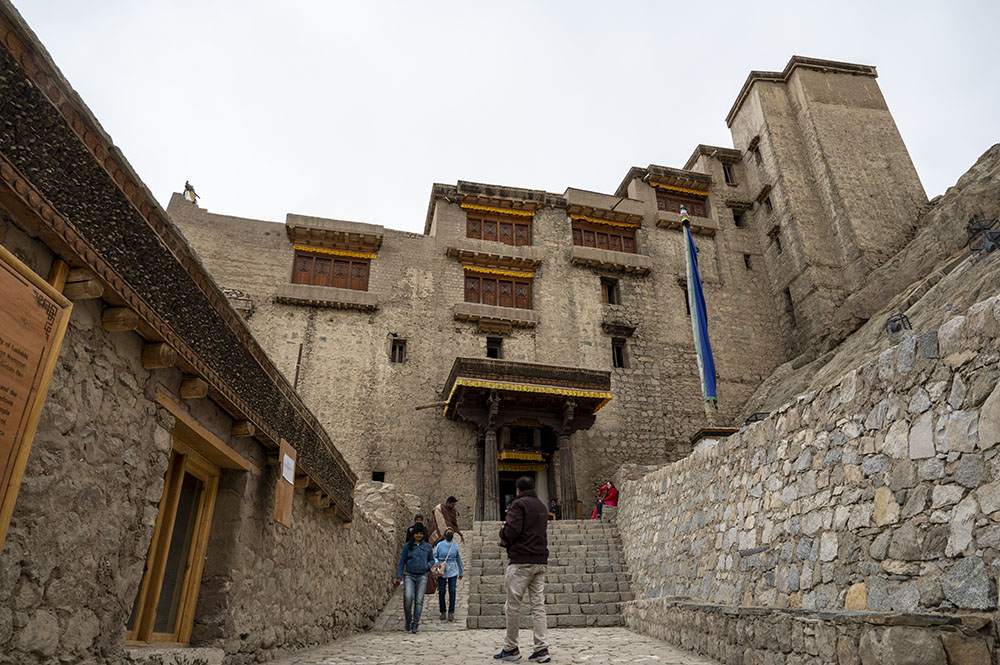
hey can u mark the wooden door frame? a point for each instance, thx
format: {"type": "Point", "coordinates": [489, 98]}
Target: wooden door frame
{"type": "Point", "coordinates": [183, 459]}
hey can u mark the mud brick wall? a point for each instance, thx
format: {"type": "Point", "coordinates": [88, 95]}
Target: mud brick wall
{"type": "Point", "coordinates": [879, 493]}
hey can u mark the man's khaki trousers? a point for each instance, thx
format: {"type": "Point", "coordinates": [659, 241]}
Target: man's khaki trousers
{"type": "Point", "coordinates": [521, 577]}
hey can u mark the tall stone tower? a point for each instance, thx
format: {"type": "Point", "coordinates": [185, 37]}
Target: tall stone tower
{"type": "Point", "coordinates": [835, 192]}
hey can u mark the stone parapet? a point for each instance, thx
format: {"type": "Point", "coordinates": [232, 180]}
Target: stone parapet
{"type": "Point", "coordinates": [520, 318]}
{"type": "Point", "coordinates": [606, 259]}
{"type": "Point", "coordinates": [737, 635]}
{"type": "Point", "coordinates": [326, 296]}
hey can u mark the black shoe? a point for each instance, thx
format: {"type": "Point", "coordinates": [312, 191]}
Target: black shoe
{"type": "Point", "coordinates": [414, 629]}
{"type": "Point", "coordinates": [444, 617]}
{"type": "Point", "coordinates": [407, 628]}
{"type": "Point", "coordinates": [540, 656]}
{"type": "Point", "coordinates": [513, 654]}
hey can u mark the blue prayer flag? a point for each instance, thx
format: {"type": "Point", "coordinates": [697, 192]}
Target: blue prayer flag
{"type": "Point", "coordinates": [699, 314]}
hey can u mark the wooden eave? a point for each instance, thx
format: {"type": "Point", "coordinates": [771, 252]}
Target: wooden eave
{"type": "Point", "coordinates": [355, 242]}
{"type": "Point", "coordinates": [602, 213]}
{"type": "Point", "coordinates": [91, 209]}
{"type": "Point", "coordinates": [765, 191]}
{"type": "Point", "coordinates": [503, 204]}
{"type": "Point", "coordinates": [497, 259]}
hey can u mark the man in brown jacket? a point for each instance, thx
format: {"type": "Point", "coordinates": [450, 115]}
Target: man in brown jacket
{"type": "Point", "coordinates": [524, 535]}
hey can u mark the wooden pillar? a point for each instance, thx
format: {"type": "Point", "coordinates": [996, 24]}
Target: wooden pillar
{"type": "Point", "coordinates": [550, 475]}
{"type": "Point", "coordinates": [567, 478]}
{"type": "Point", "coordinates": [479, 477]}
{"type": "Point", "coordinates": [491, 477]}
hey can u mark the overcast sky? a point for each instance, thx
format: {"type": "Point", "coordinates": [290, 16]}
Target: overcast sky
{"type": "Point", "coordinates": [352, 110]}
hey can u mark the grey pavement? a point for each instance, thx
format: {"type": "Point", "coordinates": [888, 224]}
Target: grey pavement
{"type": "Point", "coordinates": [569, 645]}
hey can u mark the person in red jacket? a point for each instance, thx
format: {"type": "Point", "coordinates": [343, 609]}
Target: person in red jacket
{"type": "Point", "coordinates": [525, 536]}
{"type": "Point", "coordinates": [607, 496]}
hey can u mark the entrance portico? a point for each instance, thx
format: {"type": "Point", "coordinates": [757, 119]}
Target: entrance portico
{"type": "Point", "coordinates": [525, 415]}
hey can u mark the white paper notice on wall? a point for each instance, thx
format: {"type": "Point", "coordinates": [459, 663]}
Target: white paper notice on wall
{"type": "Point", "coordinates": [288, 468]}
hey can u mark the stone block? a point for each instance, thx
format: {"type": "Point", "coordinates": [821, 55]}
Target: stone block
{"type": "Point", "coordinates": [901, 645]}
{"type": "Point", "coordinates": [989, 420]}
{"type": "Point", "coordinates": [922, 437]}
{"type": "Point", "coordinates": [964, 650]}
{"type": "Point", "coordinates": [857, 597]}
{"type": "Point", "coordinates": [968, 585]}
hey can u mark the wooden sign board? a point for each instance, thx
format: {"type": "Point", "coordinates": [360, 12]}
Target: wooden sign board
{"type": "Point", "coordinates": [33, 318]}
{"type": "Point", "coordinates": [285, 491]}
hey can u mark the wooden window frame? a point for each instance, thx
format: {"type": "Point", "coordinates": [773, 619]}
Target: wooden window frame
{"type": "Point", "coordinates": [332, 262]}
{"type": "Point", "coordinates": [494, 343]}
{"type": "Point", "coordinates": [397, 350]}
{"type": "Point", "coordinates": [476, 227]}
{"type": "Point", "coordinates": [619, 359]}
{"type": "Point", "coordinates": [482, 280]}
{"type": "Point", "coordinates": [729, 174]}
{"type": "Point", "coordinates": [615, 238]}
{"type": "Point", "coordinates": [739, 218]}
{"type": "Point", "coordinates": [183, 460]}
{"type": "Point", "coordinates": [610, 292]}
{"type": "Point", "coordinates": [670, 202]}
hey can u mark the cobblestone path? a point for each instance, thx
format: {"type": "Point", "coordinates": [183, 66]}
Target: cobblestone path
{"type": "Point", "coordinates": [596, 646]}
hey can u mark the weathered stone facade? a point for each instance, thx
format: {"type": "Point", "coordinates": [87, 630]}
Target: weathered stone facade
{"type": "Point", "coordinates": [415, 286]}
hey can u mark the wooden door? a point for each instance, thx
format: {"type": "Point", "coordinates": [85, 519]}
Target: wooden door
{"type": "Point", "coordinates": [489, 291]}
{"type": "Point", "coordinates": [303, 270]}
{"type": "Point", "coordinates": [471, 289]}
{"type": "Point", "coordinates": [522, 295]}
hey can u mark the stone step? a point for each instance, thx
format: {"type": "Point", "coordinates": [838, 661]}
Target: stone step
{"type": "Point", "coordinates": [551, 621]}
{"type": "Point", "coordinates": [554, 598]}
{"type": "Point", "coordinates": [620, 584]}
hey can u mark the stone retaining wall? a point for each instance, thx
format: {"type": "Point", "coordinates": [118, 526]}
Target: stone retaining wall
{"type": "Point", "coordinates": [744, 635]}
{"type": "Point", "coordinates": [879, 493]}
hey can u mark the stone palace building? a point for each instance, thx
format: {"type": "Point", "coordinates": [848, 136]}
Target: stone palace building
{"type": "Point", "coordinates": [214, 430]}
{"type": "Point", "coordinates": [551, 332]}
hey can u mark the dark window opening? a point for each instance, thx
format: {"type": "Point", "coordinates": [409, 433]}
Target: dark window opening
{"type": "Point", "coordinates": [746, 261]}
{"type": "Point", "coordinates": [378, 476]}
{"type": "Point", "coordinates": [502, 292]}
{"type": "Point", "coordinates": [618, 359]}
{"type": "Point", "coordinates": [740, 218]}
{"type": "Point", "coordinates": [757, 157]}
{"type": "Point", "coordinates": [672, 203]}
{"type": "Point", "coordinates": [687, 302]}
{"type": "Point", "coordinates": [320, 270]}
{"type": "Point", "coordinates": [398, 352]}
{"type": "Point", "coordinates": [768, 205]}
{"type": "Point", "coordinates": [789, 307]}
{"type": "Point", "coordinates": [609, 291]}
{"type": "Point", "coordinates": [494, 347]}
{"type": "Point", "coordinates": [776, 237]}
{"type": "Point", "coordinates": [727, 172]}
{"type": "Point", "coordinates": [498, 228]}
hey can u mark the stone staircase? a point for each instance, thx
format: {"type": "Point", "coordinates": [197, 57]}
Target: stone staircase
{"type": "Point", "coordinates": [586, 582]}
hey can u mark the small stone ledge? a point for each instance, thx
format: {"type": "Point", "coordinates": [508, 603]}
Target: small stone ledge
{"type": "Point", "coordinates": [520, 318]}
{"type": "Point", "coordinates": [326, 296]}
{"type": "Point", "coordinates": [782, 636]}
{"type": "Point", "coordinates": [699, 225]}
{"type": "Point", "coordinates": [495, 254]}
{"type": "Point", "coordinates": [174, 656]}
{"type": "Point", "coordinates": [606, 259]}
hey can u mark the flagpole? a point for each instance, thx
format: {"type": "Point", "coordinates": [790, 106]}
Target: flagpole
{"type": "Point", "coordinates": [699, 321]}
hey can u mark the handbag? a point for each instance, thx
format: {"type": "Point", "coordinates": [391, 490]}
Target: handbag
{"type": "Point", "coordinates": [432, 585]}
{"type": "Point", "coordinates": [437, 570]}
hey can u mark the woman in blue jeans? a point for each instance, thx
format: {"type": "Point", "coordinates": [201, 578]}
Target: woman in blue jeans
{"type": "Point", "coordinates": [414, 562]}
{"type": "Point", "coordinates": [446, 555]}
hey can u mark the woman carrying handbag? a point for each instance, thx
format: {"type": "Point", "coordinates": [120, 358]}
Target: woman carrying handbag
{"type": "Point", "coordinates": [450, 569]}
{"type": "Point", "coordinates": [414, 572]}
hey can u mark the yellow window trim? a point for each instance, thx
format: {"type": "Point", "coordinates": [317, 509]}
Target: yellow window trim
{"type": "Point", "coordinates": [606, 222]}
{"type": "Point", "coordinates": [500, 211]}
{"type": "Point", "coordinates": [679, 190]}
{"type": "Point", "coordinates": [497, 271]}
{"type": "Point", "coordinates": [334, 252]}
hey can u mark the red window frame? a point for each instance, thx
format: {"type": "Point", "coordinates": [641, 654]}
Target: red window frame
{"type": "Point", "coordinates": [340, 272]}
{"type": "Point", "coordinates": [617, 239]}
{"type": "Point", "coordinates": [498, 228]}
{"type": "Point", "coordinates": [672, 203]}
{"type": "Point", "coordinates": [500, 291]}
